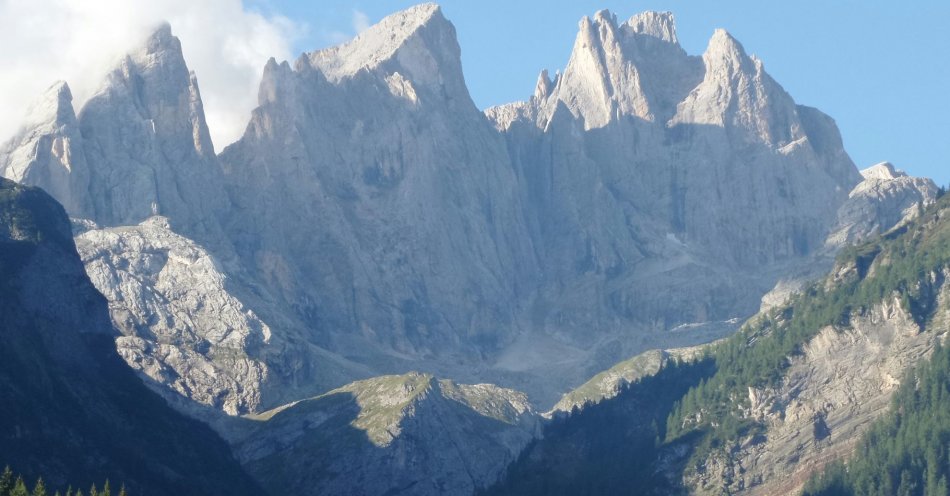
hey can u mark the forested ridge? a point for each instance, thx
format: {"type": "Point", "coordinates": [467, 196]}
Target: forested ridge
{"type": "Point", "coordinates": [642, 441]}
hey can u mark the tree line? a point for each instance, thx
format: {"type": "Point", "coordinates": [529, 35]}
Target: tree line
{"type": "Point", "coordinates": [14, 485]}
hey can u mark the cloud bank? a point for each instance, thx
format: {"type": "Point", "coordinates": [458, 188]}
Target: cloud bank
{"type": "Point", "coordinates": [79, 41]}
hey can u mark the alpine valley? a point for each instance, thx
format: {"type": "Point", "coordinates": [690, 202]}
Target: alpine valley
{"type": "Point", "coordinates": [658, 274]}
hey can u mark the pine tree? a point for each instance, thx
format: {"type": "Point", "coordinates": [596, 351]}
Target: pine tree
{"type": "Point", "coordinates": [106, 489]}
{"type": "Point", "coordinates": [123, 493]}
{"type": "Point", "coordinates": [93, 491]}
{"type": "Point", "coordinates": [40, 488]}
{"type": "Point", "coordinates": [6, 481]}
{"type": "Point", "coordinates": [19, 488]}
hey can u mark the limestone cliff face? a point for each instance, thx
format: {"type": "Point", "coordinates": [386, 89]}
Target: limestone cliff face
{"type": "Point", "coordinates": [373, 197]}
{"type": "Point", "coordinates": [666, 188]}
{"type": "Point", "coordinates": [375, 221]}
{"type": "Point", "coordinates": [147, 144]}
{"type": "Point", "coordinates": [48, 152]}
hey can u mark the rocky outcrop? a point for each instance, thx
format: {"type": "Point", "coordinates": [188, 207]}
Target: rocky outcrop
{"type": "Point", "coordinates": [830, 396]}
{"type": "Point", "coordinates": [886, 199]}
{"type": "Point", "coordinates": [409, 433]}
{"type": "Point", "coordinates": [180, 326]}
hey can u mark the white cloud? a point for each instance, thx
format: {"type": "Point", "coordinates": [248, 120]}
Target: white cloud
{"type": "Point", "coordinates": [79, 41]}
{"type": "Point", "coordinates": [360, 21]}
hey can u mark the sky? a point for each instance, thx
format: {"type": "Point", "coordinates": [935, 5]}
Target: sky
{"type": "Point", "coordinates": [880, 69]}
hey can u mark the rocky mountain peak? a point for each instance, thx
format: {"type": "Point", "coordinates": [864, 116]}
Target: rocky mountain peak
{"type": "Point", "coordinates": [544, 86]}
{"type": "Point", "coordinates": [883, 170]}
{"type": "Point", "coordinates": [47, 150]}
{"type": "Point", "coordinates": [736, 92]}
{"type": "Point", "coordinates": [632, 69]}
{"type": "Point", "coordinates": [660, 25]}
{"type": "Point", "coordinates": [418, 44]}
{"type": "Point", "coordinates": [54, 107]}
{"type": "Point", "coordinates": [162, 40]}
{"type": "Point", "coordinates": [725, 52]}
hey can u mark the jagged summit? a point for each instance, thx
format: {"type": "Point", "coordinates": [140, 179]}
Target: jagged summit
{"type": "Point", "coordinates": [162, 39]}
{"type": "Point", "coordinates": [884, 170]}
{"type": "Point", "coordinates": [636, 68]}
{"type": "Point", "coordinates": [419, 40]}
{"type": "Point", "coordinates": [545, 85]}
{"type": "Point", "coordinates": [724, 50]}
{"type": "Point", "coordinates": [660, 25]}
{"type": "Point", "coordinates": [53, 107]}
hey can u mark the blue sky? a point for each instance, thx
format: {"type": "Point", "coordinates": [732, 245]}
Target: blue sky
{"type": "Point", "coordinates": [882, 70]}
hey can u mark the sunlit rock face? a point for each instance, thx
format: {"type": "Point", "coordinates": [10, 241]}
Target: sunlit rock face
{"type": "Point", "coordinates": [372, 220]}
{"type": "Point", "coordinates": [667, 188]}
{"type": "Point", "coordinates": [373, 197]}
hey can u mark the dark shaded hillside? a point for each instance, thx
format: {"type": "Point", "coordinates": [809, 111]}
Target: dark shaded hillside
{"type": "Point", "coordinates": [674, 426]}
{"type": "Point", "coordinates": [612, 447]}
{"type": "Point", "coordinates": [71, 409]}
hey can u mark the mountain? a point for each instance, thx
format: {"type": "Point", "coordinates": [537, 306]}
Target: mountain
{"type": "Point", "coordinates": [773, 405]}
{"type": "Point", "coordinates": [72, 411]}
{"type": "Point", "coordinates": [409, 434]}
{"type": "Point", "coordinates": [372, 220]}
{"type": "Point", "coordinates": [373, 197]}
{"type": "Point", "coordinates": [375, 221]}
{"type": "Point", "coordinates": [139, 147]}
{"type": "Point", "coordinates": [669, 188]}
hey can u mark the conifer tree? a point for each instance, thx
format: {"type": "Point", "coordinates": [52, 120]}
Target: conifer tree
{"type": "Point", "coordinates": [106, 489]}
{"type": "Point", "coordinates": [6, 481]}
{"type": "Point", "coordinates": [19, 488]}
{"type": "Point", "coordinates": [40, 488]}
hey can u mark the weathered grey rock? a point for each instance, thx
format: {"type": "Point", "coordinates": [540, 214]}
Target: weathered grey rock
{"type": "Point", "coordinates": [180, 326]}
{"type": "Point", "coordinates": [374, 198]}
{"type": "Point", "coordinates": [886, 199]}
{"type": "Point", "coordinates": [48, 151]}
{"type": "Point", "coordinates": [409, 433]}
{"type": "Point", "coordinates": [139, 147]}
{"type": "Point", "coordinates": [663, 188]}
{"type": "Point", "coordinates": [147, 144]}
